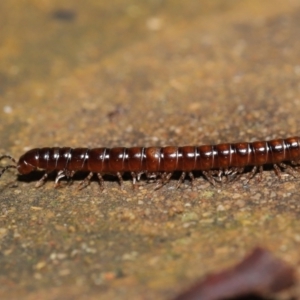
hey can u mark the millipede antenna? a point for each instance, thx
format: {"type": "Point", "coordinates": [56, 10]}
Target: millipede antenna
{"type": "Point", "coordinates": [9, 166]}
{"type": "Point", "coordinates": [6, 168]}
{"type": "Point", "coordinates": [9, 157]}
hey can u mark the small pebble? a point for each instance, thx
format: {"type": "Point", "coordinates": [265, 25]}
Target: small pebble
{"type": "Point", "coordinates": [240, 203]}
{"type": "Point", "coordinates": [7, 109]}
{"type": "Point", "coordinates": [221, 207]}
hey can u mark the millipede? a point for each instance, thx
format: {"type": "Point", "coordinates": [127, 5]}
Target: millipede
{"type": "Point", "coordinates": [226, 160]}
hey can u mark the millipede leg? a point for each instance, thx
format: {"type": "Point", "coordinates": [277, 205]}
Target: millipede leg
{"type": "Point", "coordinates": [152, 175]}
{"type": "Point", "coordinates": [181, 179]}
{"type": "Point", "coordinates": [209, 177]}
{"type": "Point", "coordinates": [160, 182]}
{"type": "Point", "coordinates": [219, 174]}
{"type": "Point", "coordinates": [230, 174]}
{"type": "Point", "coordinates": [260, 170]}
{"type": "Point", "coordinates": [229, 171]}
{"type": "Point", "coordinates": [295, 162]}
{"type": "Point", "coordinates": [133, 175]}
{"type": "Point", "coordinates": [236, 174]}
{"type": "Point", "coordinates": [226, 172]}
{"type": "Point", "coordinates": [241, 170]}
{"type": "Point", "coordinates": [168, 177]}
{"type": "Point", "coordinates": [85, 182]}
{"type": "Point", "coordinates": [101, 181]}
{"type": "Point", "coordinates": [191, 175]}
{"type": "Point", "coordinates": [59, 175]}
{"type": "Point", "coordinates": [277, 171]}
{"type": "Point", "coordinates": [252, 174]}
{"type": "Point", "coordinates": [119, 175]}
{"type": "Point", "coordinates": [165, 178]}
{"type": "Point", "coordinates": [138, 175]}
{"type": "Point", "coordinates": [216, 175]}
{"type": "Point", "coordinates": [288, 169]}
{"type": "Point", "coordinates": [41, 181]}
{"type": "Point", "coordinates": [69, 175]}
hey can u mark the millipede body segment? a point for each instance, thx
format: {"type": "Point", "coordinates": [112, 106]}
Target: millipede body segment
{"type": "Point", "coordinates": [214, 161]}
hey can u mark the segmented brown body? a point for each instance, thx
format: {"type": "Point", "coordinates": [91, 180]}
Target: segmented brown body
{"type": "Point", "coordinates": [210, 159]}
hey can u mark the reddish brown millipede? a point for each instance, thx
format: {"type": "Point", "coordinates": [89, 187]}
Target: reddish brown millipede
{"type": "Point", "coordinates": [214, 161]}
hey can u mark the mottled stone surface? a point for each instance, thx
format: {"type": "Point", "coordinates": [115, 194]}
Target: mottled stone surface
{"type": "Point", "coordinates": [140, 74]}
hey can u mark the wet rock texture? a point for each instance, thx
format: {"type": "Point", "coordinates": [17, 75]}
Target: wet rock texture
{"type": "Point", "coordinates": [89, 74]}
